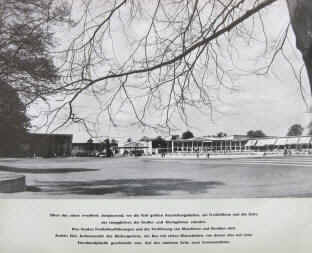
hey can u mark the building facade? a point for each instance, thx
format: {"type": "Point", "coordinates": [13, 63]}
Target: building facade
{"type": "Point", "coordinates": [233, 143]}
{"type": "Point", "coordinates": [94, 149]}
{"type": "Point", "coordinates": [135, 148]}
{"type": "Point", "coordinates": [279, 144]}
{"type": "Point", "coordinates": [47, 145]}
{"type": "Point", "coordinates": [228, 144]}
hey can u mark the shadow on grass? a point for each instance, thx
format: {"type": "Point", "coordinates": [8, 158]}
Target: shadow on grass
{"type": "Point", "coordinates": [43, 171]}
{"type": "Point", "coordinates": [125, 187]}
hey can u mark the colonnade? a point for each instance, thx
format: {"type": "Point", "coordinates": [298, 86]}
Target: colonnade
{"type": "Point", "coordinates": [207, 146]}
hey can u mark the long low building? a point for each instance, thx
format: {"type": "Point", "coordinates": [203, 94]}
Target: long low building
{"type": "Point", "coordinates": [47, 145]}
{"type": "Point", "coordinates": [210, 144]}
{"type": "Point", "coordinates": [233, 143]}
{"type": "Point", "coordinates": [213, 144]}
{"type": "Point", "coordinates": [135, 148]}
{"type": "Point", "coordinates": [149, 146]}
{"type": "Point", "coordinates": [93, 148]}
{"type": "Point", "coordinates": [280, 143]}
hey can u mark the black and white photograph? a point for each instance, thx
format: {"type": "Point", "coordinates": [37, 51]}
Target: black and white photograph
{"type": "Point", "coordinates": [159, 99]}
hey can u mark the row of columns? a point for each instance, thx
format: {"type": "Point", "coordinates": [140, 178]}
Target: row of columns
{"type": "Point", "coordinates": [222, 146]}
{"type": "Point", "coordinates": [281, 147]}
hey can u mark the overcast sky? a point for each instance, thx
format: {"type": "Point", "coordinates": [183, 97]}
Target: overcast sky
{"type": "Point", "coordinates": [271, 103]}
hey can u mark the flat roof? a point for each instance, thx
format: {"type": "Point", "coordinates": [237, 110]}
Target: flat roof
{"type": "Point", "coordinates": [47, 134]}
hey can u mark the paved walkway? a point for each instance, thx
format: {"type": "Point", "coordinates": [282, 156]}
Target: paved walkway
{"type": "Point", "coordinates": [213, 156]}
{"type": "Point", "coordinates": [11, 182]}
{"type": "Point", "coordinates": [292, 161]}
{"type": "Point", "coordinates": [266, 176]}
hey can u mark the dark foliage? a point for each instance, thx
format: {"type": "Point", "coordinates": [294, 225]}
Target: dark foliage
{"type": "Point", "coordinates": [187, 135]}
{"type": "Point", "coordinates": [255, 134]}
{"type": "Point", "coordinates": [295, 130]}
{"type": "Point", "coordinates": [13, 120]}
{"type": "Point", "coordinates": [221, 134]}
